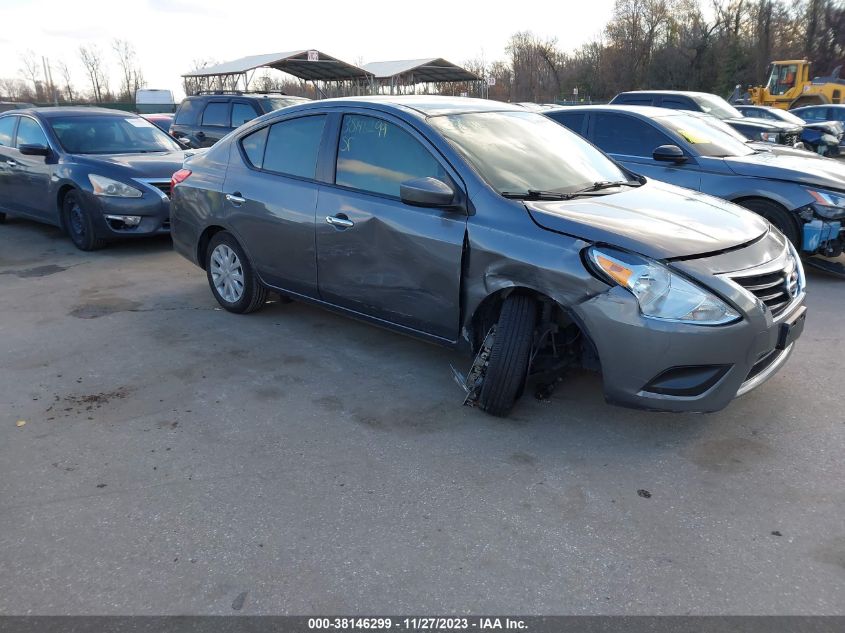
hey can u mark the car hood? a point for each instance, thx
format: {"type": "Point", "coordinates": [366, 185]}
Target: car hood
{"type": "Point", "coordinates": [781, 126]}
{"type": "Point", "coordinates": [826, 173]}
{"type": "Point", "coordinates": [657, 219]}
{"type": "Point", "coordinates": [158, 165]}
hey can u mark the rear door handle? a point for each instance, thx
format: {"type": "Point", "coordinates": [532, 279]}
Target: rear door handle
{"type": "Point", "coordinates": [235, 198]}
{"type": "Point", "coordinates": [338, 221]}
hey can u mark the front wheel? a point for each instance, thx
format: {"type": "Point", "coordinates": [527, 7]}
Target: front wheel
{"type": "Point", "coordinates": [778, 216]}
{"type": "Point", "coordinates": [507, 369]}
{"type": "Point", "coordinates": [79, 224]}
{"type": "Point", "coordinates": [232, 279]}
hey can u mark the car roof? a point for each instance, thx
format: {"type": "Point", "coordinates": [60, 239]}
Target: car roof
{"type": "Point", "coordinates": [818, 105]}
{"type": "Point", "coordinates": [688, 93]}
{"type": "Point", "coordinates": [425, 105]}
{"type": "Point", "coordinates": [50, 112]}
{"type": "Point", "coordinates": [650, 112]}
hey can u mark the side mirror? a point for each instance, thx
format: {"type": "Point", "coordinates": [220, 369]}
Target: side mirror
{"type": "Point", "coordinates": [34, 150]}
{"type": "Point", "coordinates": [669, 153]}
{"type": "Point", "coordinates": [426, 192]}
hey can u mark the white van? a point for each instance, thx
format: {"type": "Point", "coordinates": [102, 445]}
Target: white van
{"type": "Point", "coordinates": [154, 100]}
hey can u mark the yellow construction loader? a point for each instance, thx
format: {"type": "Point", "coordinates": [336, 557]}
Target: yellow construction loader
{"type": "Point", "coordinates": [789, 86]}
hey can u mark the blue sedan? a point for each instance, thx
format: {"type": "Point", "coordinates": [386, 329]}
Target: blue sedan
{"type": "Point", "coordinates": [803, 197]}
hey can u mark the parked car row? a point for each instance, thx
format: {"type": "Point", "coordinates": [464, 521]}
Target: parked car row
{"type": "Point", "coordinates": [487, 227]}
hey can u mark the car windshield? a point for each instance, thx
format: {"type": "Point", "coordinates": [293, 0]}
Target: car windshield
{"type": "Point", "coordinates": [706, 135]}
{"type": "Point", "coordinates": [718, 107]}
{"type": "Point", "coordinates": [110, 135]}
{"type": "Point", "coordinates": [525, 151]}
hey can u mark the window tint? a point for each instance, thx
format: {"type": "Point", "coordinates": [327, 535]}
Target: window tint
{"type": "Point", "coordinates": [30, 133]}
{"type": "Point", "coordinates": [7, 126]}
{"type": "Point", "coordinates": [678, 104]}
{"type": "Point", "coordinates": [293, 145]}
{"type": "Point", "coordinates": [813, 114]}
{"type": "Point", "coordinates": [187, 112]}
{"type": "Point", "coordinates": [835, 114]}
{"type": "Point", "coordinates": [633, 99]}
{"type": "Point", "coordinates": [620, 134]}
{"type": "Point", "coordinates": [216, 113]}
{"type": "Point", "coordinates": [254, 146]}
{"type": "Point", "coordinates": [241, 113]}
{"type": "Point", "coordinates": [573, 120]}
{"type": "Point", "coordinates": [378, 156]}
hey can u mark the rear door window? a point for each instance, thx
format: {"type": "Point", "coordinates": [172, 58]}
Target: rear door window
{"type": "Point", "coordinates": [573, 120]}
{"type": "Point", "coordinates": [814, 114]}
{"type": "Point", "coordinates": [254, 145]}
{"type": "Point", "coordinates": [241, 113]}
{"type": "Point", "coordinates": [7, 127]}
{"type": "Point", "coordinates": [621, 134]}
{"type": "Point", "coordinates": [187, 112]}
{"type": "Point", "coordinates": [216, 114]}
{"type": "Point", "coordinates": [30, 133]}
{"type": "Point", "coordinates": [376, 156]}
{"type": "Point", "coordinates": [293, 145]}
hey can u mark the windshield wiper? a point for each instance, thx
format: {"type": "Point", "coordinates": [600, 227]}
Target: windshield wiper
{"type": "Point", "coordinates": [536, 194]}
{"type": "Point", "coordinates": [607, 184]}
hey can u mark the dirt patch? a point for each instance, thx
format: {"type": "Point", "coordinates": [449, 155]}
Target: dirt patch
{"type": "Point", "coordinates": [37, 271]}
{"type": "Point", "coordinates": [84, 403]}
{"type": "Point", "coordinates": [730, 455]}
{"type": "Point", "coordinates": [102, 307]}
{"type": "Point", "coordinates": [329, 403]}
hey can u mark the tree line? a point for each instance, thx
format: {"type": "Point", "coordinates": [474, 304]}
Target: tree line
{"type": "Point", "coordinates": [42, 81]}
{"type": "Point", "coordinates": [670, 44]}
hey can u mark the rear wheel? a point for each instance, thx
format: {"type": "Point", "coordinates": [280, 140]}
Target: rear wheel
{"type": "Point", "coordinates": [507, 369]}
{"type": "Point", "coordinates": [231, 277]}
{"type": "Point", "coordinates": [78, 223]}
{"type": "Point", "coordinates": [778, 216]}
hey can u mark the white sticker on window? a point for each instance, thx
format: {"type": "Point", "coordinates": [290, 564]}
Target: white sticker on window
{"type": "Point", "coordinates": [139, 122]}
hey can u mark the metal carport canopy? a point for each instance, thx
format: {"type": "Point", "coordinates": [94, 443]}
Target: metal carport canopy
{"type": "Point", "coordinates": [296, 63]}
{"type": "Point", "coordinates": [424, 70]}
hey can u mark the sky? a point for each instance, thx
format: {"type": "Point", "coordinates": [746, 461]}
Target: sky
{"type": "Point", "coordinates": [168, 35]}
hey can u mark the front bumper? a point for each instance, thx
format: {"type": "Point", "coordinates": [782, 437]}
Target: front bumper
{"type": "Point", "coordinates": [153, 208]}
{"type": "Point", "coordinates": [668, 366]}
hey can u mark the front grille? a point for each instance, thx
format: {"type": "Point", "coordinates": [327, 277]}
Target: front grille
{"type": "Point", "coordinates": [164, 187]}
{"type": "Point", "coordinates": [775, 289]}
{"type": "Point", "coordinates": [789, 139]}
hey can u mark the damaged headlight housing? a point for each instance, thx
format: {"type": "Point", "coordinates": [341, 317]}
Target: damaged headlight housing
{"type": "Point", "coordinates": [661, 293]}
{"type": "Point", "coordinates": [114, 188]}
{"type": "Point", "coordinates": [827, 204]}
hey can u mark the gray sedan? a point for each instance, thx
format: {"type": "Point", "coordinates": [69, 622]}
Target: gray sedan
{"type": "Point", "coordinates": [491, 229]}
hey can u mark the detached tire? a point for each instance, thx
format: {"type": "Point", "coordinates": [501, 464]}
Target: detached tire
{"type": "Point", "coordinates": [778, 216]}
{"type": "Point", "coordinates": [79, 224]}
{"type": "Point", "coordinates": [231, 277]}
{"type": "Point", "coordinates": [507, 369]}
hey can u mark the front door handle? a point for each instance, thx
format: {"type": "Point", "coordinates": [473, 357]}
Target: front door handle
{"type": "Point", "coordinates": [11, 163]}
{"type": "Point", "coordinates": [235, 199]}
{"type": "Point", "coordinates": [338, 221]}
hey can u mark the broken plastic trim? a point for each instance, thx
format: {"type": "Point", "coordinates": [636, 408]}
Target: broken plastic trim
{"type": "Point", "coordinates": [471, 384]}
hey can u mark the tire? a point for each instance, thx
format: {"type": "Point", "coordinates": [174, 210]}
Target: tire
{"type": "Point", "coordinates": [778, 216]}
{"type": "Point", "coordinates": [507, 369]}
{"type": "Point", "coordinates": [232, 280]}
{"type": "Point", "coordinates": [2, 218]}
{"type": "Point", "coordinates": [79, 224]}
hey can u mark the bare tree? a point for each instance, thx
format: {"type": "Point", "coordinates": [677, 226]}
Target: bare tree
{"type": "Point", "coordinates": [92, 60]}
{"type": "Point", "coordinates": [12, 89]}
{"type": "Point", "coordinates": [64, 73]}
{"type": "Point", "coordinates": [31, 71]}
{"type": "Point", "coordinates": [131, 76]}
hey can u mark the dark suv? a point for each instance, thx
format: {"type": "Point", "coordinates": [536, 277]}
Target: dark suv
{"type": "Point", "coordinates": [754, 128]}
{"type": "Point", "coordinates": [205, 118]}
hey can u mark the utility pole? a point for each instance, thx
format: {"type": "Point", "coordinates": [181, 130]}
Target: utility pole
{"type": "Point", "coordinates": [48, 79]}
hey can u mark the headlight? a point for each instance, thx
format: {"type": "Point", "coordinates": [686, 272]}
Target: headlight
{"type": "Point", "coordinates": [107, 187]}
{"type": "Point", "coordinates": [661, 293]}
{"type": "Point", "coordinates": [827, 204]}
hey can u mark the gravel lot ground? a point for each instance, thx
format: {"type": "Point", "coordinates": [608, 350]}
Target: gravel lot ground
{"type": "Point", "coordinates": [180, 459]}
